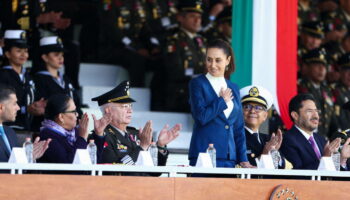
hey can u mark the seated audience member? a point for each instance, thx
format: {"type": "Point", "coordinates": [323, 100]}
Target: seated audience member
{"type": "Point", "coordinates": [48, 80]}
{"type": "Point", "coordinates": [60, 125]}
{"type": "Point", "coordinates": [14, 74]}
{"type": "Point", "coordinates": [302, 145]}
{"type": "Point", "coordinates": [256, 100]}
{"type": "Point", "coordinates": [122, 143]}
{"type": "Point", "coordinates": [8, 139]}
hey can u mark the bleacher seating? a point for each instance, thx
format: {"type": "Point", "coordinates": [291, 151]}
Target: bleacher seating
{"type": "Point", "coordinates": [96, 74]}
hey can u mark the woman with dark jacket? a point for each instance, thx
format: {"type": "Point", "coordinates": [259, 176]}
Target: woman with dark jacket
{"type": "Point", "coordinates": [60, 125]}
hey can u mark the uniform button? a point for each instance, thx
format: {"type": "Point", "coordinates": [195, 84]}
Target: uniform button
{"type": "Point", "coordinates": [227, 127]}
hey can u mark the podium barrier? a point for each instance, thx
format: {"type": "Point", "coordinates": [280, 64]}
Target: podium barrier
{"type": "Point", "coordinates": [173, 171]}
{"type": "Point", "coordinates": [80, 187]}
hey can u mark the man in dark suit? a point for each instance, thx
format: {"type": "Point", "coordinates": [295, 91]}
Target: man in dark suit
{"type": "Point", "coordinates": [8, 139]}
{"type": "Point", "coordinates": [302, 145]}
{"type": "Point", "coordinates": [256, 100]}
{"type": "Point", "coordinates": [122, 143]}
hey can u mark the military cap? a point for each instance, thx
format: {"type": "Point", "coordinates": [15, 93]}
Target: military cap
{"type": "Point", "coordinates": [256, 94]}
{"type": "Point", "coordinates": [51, 44]}
{"type": "Point", "coordinates": [318, 55]}
{"type": "Point", "coordinates": [332, 21]}
{"type": "Point", "coordinates": [333, 51]}
{"type": "Point", "coordinates": [344, 61]}
{"type": "Point", "coordinates": [343, 135]}
{"type": "Point", "coordinates": [314, 29]}
{"type": "Point", "coordinates": [15, 38]}
{"type": "Point", "coordinates": [225, 15]}
{"type": "Point", "coordinates": [119, 94]}
{"type": "Point", "coordinates": [335, 1]}
{"type": "Point", "coordinates": [190, 6]}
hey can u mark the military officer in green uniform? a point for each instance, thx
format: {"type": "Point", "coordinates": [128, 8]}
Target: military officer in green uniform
{"type": "Point", "coordinates": [122, 37]}
{"type": "Point", "coordinates": [341, 92]}
{"type": "Point", "coordinates": [314, 82]}
{"type": "Point", "coordinates": [184, 59]}
{"type": "Point", "coordinates": [307, 11]}
{"type": "Point", "coordinates": [311, 37]}
{"type": "Point", "coordinates": [343, 12]}
{"type": "Point", "coordinates": [123, 143]}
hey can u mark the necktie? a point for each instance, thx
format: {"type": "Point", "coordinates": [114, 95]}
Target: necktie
{"type": "Point", "coordinates": [4, 138]}
{"type": "Point", "coordinates": [314, 146]}
{"type": "Point", "coordinates": [256, 135]}
{"type": "Point", "coordinates": [126, 136]}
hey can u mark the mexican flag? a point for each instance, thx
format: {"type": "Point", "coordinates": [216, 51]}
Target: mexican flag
{"type": "Point", "coordinates": [265, 47]}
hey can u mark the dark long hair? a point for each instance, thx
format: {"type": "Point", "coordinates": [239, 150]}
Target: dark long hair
{"type": "Point", "coordinates": [226, 48]}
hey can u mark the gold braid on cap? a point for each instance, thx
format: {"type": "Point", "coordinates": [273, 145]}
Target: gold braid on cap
{"type": "Point", "coordinates": [189, 9]}
{"type": "Point", "coordinates": [319, 31]}
{"type": "Point", "coordinates": [118, 98]}
{"type": "Point", "coordinates": [254, 99]}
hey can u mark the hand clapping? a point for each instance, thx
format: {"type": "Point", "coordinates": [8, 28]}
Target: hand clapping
{"type": "Point", "coordinates": [166, 136]}
{"type": "Point", "coordinates": [145, 135]}
{"type": "Point", "coordinates": [101, 124]}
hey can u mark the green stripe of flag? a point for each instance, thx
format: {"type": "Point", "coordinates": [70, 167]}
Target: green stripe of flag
{"type": "Point", "coordinates": [242, 33]}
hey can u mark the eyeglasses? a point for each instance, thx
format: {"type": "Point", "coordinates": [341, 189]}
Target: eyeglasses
{"type": "Point", "coordinates": [125, 106]}
{"type": "Point", "coordinates": [257, 108]}
{"type": "Point", "coordinates": [71, 111]}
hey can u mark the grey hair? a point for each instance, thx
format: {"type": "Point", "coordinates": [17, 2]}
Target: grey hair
{"type": "Point", "coordinates": [103, 108]}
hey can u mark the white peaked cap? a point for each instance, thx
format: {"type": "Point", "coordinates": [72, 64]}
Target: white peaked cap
{"type": "Point", "coordinates": [15, 34]}
{"type": "Point", "coordinates": [50, 40]}
{"type": "Point", "coordinates": [258, 94]}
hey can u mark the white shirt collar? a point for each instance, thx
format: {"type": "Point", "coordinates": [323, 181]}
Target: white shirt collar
{"type": "Point", "coordinates": [250, 130]}
{"type": "Point", "coordinates": [305, 134]}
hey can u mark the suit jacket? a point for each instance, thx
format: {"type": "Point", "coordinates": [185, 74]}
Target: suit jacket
{"type": "Point", "coordinates": [211, 124]}
{"type": "Point", "coordinates": [255, 148]}
{"type": "Point", "coordinates": [12, 138]}
{"type": "Point", "coordinates": [297, 149]}
{"type": "Point", "coordinates": [120, 149]}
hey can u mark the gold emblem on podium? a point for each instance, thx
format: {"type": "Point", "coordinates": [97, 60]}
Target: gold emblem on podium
{"type": "Point", "coordinates": [283, 192]}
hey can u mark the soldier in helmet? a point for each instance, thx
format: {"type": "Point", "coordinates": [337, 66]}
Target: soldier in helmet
{"type": "Point", "coordinates": [315, 63]}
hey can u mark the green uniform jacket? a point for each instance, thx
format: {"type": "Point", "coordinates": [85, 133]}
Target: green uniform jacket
{"type": "Point", "coordinates": [121, 149]}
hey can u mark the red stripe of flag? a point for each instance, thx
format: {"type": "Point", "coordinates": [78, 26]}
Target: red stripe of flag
{"type": "Point", "coordinates": [286, 71]}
